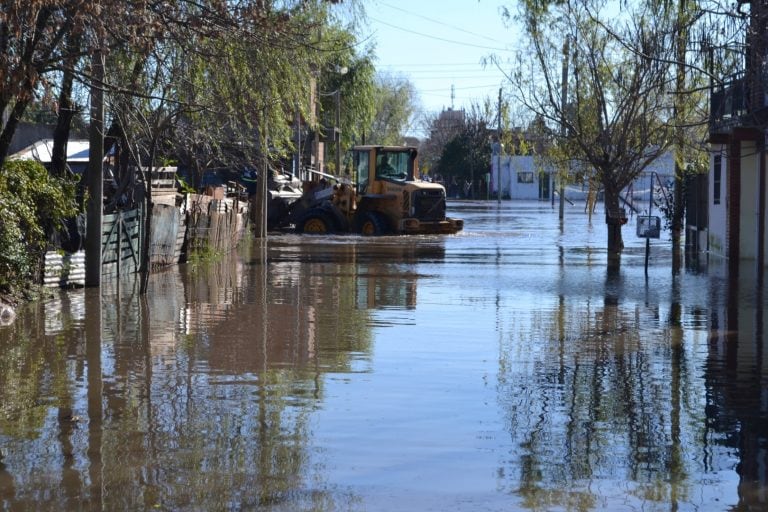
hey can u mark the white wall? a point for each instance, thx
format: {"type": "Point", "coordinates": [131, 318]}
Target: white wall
{"type": "Point", "coordinates": [661, 170]}
{"type": "Point", "coordinates": [750, 190]}
{"type": "Point", "coordinates": [522, 166]}
{"type": "Point", "coordinates": [512, 168]}
{"type": "Point", "coordinates": [717, 212]}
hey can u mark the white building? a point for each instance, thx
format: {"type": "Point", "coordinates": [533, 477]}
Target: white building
{"type": "Point", "coordinates": [530, 177]}
{"type": "Point", "coordinates": [736, 226]}
{"type": "Point", "coordinates": [521, 177]}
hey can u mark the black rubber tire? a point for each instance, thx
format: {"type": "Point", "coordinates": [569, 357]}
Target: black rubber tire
{"type": "Point", "coordinates": [315, 222]}
{"type": "Point", "coordinates": [373, 224]}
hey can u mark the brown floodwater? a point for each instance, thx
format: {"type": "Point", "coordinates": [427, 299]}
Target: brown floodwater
{"type": "Point", "coordinates": [503, 368]}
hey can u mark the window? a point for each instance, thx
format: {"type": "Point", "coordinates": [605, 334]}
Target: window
{"type": "Point", "coordinates": [717, 178]}
{"type": "Point", "coordinates": [393, 165]}
{"type": "Point", "coordinates": [525, 177]}
{"type": "Point", "coordinates": [361, 170]}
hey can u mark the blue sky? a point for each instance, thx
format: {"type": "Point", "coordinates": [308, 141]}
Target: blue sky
{"type": "Point", "coordinates": [437, 44]}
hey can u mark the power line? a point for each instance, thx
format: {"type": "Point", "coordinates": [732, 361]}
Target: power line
{"type": "Point", "coordinates": [433, 64]}
{"type": "Point", "coordinates": [444, 72]}
{"type": "Point", "coordinates": [437, 22]}
{"type": "Point", "coordinates": [451, 41]}
{"type": "Point", "coordinates": [464, 88]}
{"type": "Point", "coordinates": [452, 77]}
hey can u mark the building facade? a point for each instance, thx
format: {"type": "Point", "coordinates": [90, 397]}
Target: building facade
{"type": "Point", "coordinates": [736, 188]}
{"type": "Point", "coordinates": [520, 177]}
{"type": "Point", "coordinates": [530, 177]}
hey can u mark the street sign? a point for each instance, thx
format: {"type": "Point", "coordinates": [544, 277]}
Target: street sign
{"type": "Point", "coordinates": [648, 226]}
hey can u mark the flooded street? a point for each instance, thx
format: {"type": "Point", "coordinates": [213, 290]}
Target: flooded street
{"type": "Point", "coordinates": [504, 368]}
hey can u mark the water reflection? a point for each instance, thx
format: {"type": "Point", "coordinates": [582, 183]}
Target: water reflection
{"type": "Point", "coordinates": [737, 382]}
{"type": "Point", "coordinates": [501, 369]}
{"type": "Point", "coordinates": [598, 405]}
{"type": "Point", "coordinates": [197, 395]}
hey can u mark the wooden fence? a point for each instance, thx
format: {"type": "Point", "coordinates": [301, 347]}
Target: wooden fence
{"type": "Point", "coordinates": [167, 235]}
{"type": "Point", "coordinates": [218, 224]}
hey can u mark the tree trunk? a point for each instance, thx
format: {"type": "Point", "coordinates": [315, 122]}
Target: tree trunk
{"type": "Point", "coordinates": [6, 136]}
{"type": "Point", "coordinates": [63, 126]}
{"type": "Point", "coordinates": [678, 206]}
{"type": "Point", "coordinates": [615, 218]}
{"type": "Point", "coordinates": [678, 214]}
{"type": "Point", "coordinates": [66, 113]}
{"type": "Point", "coordinates": [95, 208]}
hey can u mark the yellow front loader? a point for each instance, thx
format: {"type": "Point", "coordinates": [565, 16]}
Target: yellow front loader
{"type": "Point", "coordinates": [384, 195]}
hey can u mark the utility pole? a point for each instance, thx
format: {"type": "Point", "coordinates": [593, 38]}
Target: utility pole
{"type": "Point", "coordinates": [563, 107]}
{"type": "Point", "coordinates": [297, 156]}
{"type": "Point", "coordinates": [337, 132]}
{"type": "Point", "coordinates": [262, 191]}
{"type": "Point", "coordinates": [316, 165]}
{"type": "Point", "coordinates": [95, 209]}
{"type": "Point", "coordinates": [498, 169]}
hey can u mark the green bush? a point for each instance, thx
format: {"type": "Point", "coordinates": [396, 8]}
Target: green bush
{"type": "Point", "coordinates": [33, 204]}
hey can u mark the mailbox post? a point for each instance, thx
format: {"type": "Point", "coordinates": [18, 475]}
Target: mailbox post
{"type": "Point", "coordinates": [649, 226]}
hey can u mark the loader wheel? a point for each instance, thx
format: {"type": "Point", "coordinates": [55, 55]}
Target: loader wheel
{"type": "Point", "coordinates": [315, 222]}
{"type": "Point", "coordinates": [373, 224]}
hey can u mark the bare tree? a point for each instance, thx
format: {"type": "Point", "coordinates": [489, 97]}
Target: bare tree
{"type": "Point", "coordinates": [36, 38]}
{"type": "Point", "coordinates": [616, 117]}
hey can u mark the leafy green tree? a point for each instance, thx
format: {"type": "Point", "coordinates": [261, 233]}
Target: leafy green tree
{"type": "Point", "coordinates": [467, 156]}
{"type": "Point", "coordinates": [273, 44]}
{"type": "Point", "coordinates": [214, 77]}
{"type": "Point", "coordinates": [394, 102]}
{"type": "Point", "coordinates": [346, 76]}
{"type": "Point", "coordinates": [442, 128]}
{"type": "Point", "coordinates": [215, 98]}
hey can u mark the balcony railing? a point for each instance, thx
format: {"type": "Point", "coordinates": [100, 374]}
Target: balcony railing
{"type": "Point", "coordinates": [730, 105]}
{"type": "Point", "coordinates": [727, 104]}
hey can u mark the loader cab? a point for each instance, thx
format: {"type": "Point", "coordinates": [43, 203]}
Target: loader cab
{"type": "Point", "coordinates": [377, 165]}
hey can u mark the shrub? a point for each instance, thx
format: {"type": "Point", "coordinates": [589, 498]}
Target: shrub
{"type": "Point", "coordinates": [33, 204]}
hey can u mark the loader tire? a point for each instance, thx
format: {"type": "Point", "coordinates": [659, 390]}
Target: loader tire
{"type": "Point", "coordinates": [373, 224]}
{"type": "Point", "coordinates": [315, 222]}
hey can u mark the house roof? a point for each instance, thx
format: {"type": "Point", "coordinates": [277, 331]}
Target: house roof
{"type": "Point", "coordinates": [41, 151]}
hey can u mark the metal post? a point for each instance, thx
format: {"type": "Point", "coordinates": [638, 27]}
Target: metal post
{"type": "Point", "coordinates": [648, 238]}
{"type": "Point", "coordinates": [316, 164]}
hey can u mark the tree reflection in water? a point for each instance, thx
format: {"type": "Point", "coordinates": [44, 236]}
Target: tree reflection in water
{"type": "Point", "coordinates": [508, 373]}
{"type": "Point", "coordinates": [594, 397]}
{"type": "Point", "coordinates": [196, 396]}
